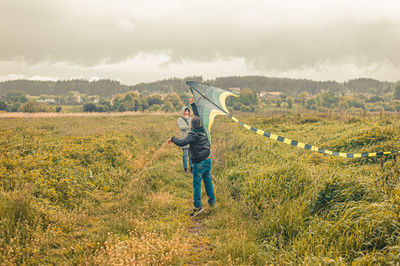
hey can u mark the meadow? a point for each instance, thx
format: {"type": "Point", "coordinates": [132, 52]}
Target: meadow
{"type": "Point", "coordinates": [106, 190]}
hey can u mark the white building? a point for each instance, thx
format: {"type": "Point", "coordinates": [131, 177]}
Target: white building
{"type": "Point", "coordinates": [52, 101]}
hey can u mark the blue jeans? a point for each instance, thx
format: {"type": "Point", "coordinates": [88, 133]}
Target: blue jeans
{"type": "Point", "coordinates": [185, 157]}
{"type": "Point", "coordinates": [202, 171]}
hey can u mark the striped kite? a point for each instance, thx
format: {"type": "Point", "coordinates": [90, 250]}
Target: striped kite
{"type": "Point", "coordinates": [210, 102]}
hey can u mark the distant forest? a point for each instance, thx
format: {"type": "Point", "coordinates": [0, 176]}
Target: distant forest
{"type": "Point", "coordinates": [106, 88]}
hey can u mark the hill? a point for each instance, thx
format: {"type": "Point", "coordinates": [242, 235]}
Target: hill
{"type": "Point", "coordinates": [106, 88]}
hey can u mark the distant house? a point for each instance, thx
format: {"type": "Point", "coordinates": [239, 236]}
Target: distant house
{"type": "Point", "coordinates": [270, 94]}
{"type": "Point", "coordinates": [74, 97]}
{"type": "Point", "coordinates": [77, 98]}
{"type": "Point", "coordinates": [51, 101]}
{"type": "Point", "coordinates": [94, 99]}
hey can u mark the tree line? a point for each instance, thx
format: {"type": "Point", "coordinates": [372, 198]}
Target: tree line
{"type": "Point", "coordinates": [134, 101]}
{"type": "Point", "coordinates": [106, 88]}
{"type": "Point", "coordinates": [249, 101]}
{"type": "Point", "coordinates": [380, 97]}
{"type": "Point", "coordinates": [372, 101]}
{"type": "Point", "coordinates": [103, 87]}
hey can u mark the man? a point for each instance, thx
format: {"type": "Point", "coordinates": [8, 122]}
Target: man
{"type": "Point", "coordinates": [184, 126]}
{"type": "Point", "coordinates": [199, 148]}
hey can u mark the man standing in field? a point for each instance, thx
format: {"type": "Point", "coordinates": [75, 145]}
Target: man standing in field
{"type": "Point", "coordinates": [199, 148]}
{"type": "Point", "coordinates": [184, 125]}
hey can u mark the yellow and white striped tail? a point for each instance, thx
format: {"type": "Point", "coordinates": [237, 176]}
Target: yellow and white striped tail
{"type": "Point", "coordinates": [310, 147]}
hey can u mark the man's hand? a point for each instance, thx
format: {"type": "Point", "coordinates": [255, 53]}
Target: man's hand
{"type": "Point", "coordinates": [191, 100]}
{"type": "Point", "coordinates": [169, 141]}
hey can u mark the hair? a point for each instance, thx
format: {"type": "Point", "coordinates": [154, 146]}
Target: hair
{"type": "Point", "coordinates": [196, 122]}
{"type": "Point", "coordinates": [187, 109]}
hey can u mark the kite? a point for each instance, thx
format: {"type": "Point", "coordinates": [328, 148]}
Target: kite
{"type": "Point", "coordinates": [210, 102]}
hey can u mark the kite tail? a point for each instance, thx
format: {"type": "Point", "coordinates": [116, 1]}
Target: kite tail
{"type": "Point", "coordinates": [310, 147]}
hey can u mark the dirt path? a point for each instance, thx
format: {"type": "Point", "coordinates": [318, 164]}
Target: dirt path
{"type": "Point", "coordinates": [200, 244]}
{"type": "Point", "coordinates": [197, 229]}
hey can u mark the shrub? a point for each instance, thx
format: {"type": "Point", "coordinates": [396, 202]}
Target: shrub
{"type": "Point", "coordinates": [247, 108]}
{"type": "Point", "coordinates": [89, 107]}
{"type": "Point", "coordinates": [34, 107]}
{"type": "Point", "coordinates": [3, 105]}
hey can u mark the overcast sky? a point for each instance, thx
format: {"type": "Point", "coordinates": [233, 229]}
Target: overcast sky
{"type": "Point", "coordinates": [135, 41]}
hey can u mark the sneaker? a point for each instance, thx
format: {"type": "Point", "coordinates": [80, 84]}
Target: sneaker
{"type": "Point", "coordinates": [185, 169]}
{"type": "Point", "coordinates": [191, 169]}
{"type": "Point", "coordinates": [196, 211]}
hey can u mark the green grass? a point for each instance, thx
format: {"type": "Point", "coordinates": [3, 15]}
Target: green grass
{"type": "Point", "coordinates": [294, 206]}
{"type": "Point", "coordinates": [120, 195]}
{"type": "Point", "coordinates": [71, 108]}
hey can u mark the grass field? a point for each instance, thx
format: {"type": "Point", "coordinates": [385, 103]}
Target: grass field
{"type": "Point", "coordinates": [106, 190]}
{"type": "Point", "coordinates": [71, 108]}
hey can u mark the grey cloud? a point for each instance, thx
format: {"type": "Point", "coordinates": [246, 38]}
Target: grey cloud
{"type": "Point", "coordinates": [47, 31]}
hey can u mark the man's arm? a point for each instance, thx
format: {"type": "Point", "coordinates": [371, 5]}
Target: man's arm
{"type": "Point", "coordinates": [194, 108]}
{"type": "Point", "coordinates": [183, 142]}
{"type": "Point", "coordinates": [196, 113]}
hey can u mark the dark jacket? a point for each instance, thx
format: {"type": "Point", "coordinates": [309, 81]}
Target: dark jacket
{"type": "Point", "coordinates": [199, 146]}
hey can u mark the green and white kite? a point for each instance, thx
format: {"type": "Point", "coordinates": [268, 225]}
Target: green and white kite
{"type": "Point", "coordinates": [210, 102]}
